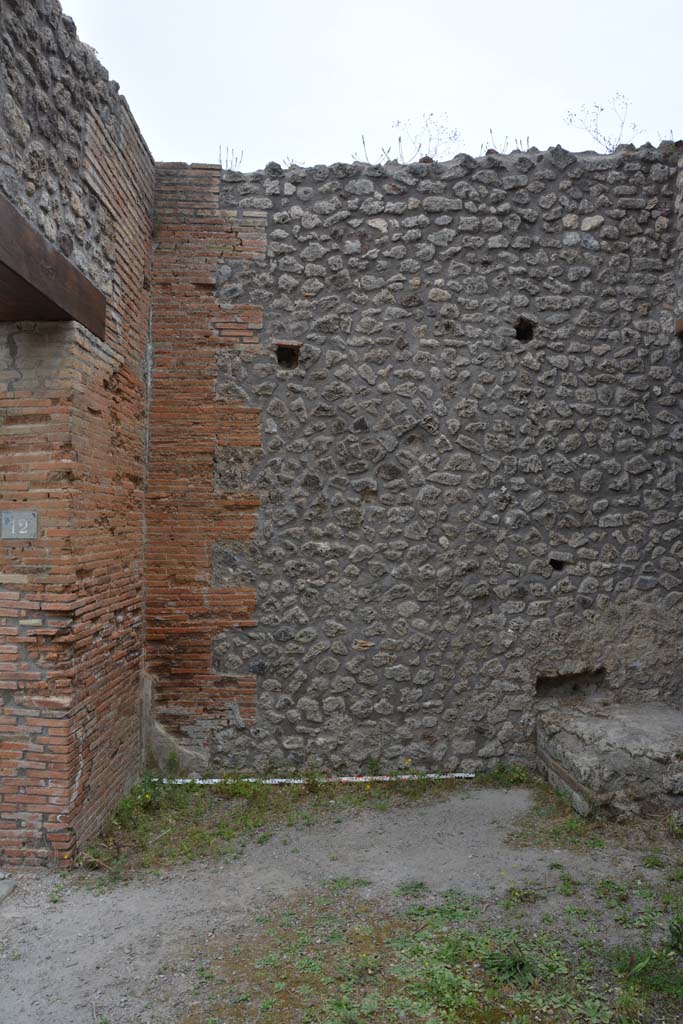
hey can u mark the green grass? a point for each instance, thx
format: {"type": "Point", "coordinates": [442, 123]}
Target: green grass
{"type": "Point", "coordinates": [506, 776]}
{"type": "Point", "coordinates": [412, 889]}
{"type": "Point", "coordinates": [446, 963]}
{"type": "Point", "coordinates": [675, 941]}
{"type": "Point", "coordinates": [515, 964]}
{"type": "Point", "coordinates": [568, 886]}
{"type": "Point", "coordinates": [453, 907]}
{"type": "Point", "coordinates": [649, 970]}
{"type": "Point", "coordinates": [56, 893]}
{"type": "Point", "coordinates": [160, 824]}
{"type": "Point", "coordinates": [520, 894]}
{"type": "Point", "coordinates": [553, 823]}
{"type": "Point", "coordinates": [544, 954]}
{"type": "Point", "coordinates": [345, 882]}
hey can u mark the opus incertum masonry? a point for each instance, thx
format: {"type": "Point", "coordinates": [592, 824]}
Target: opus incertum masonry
{"type": "Point", "coordinates": [372, 462]}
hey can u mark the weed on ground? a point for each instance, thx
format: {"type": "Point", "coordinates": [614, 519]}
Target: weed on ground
{"type": "Point", "coordinates": [576, 950]}
{"type": "Point", "coordinates": [160, 824]}
{"type": "Point", "coordinates": [335, 957]}
{"type": "Point", "coordinates": [553, 823]}
{"type": "Point", "coordinates": [585, 927]}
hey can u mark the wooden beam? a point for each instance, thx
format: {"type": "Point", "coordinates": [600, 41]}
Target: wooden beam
{"type": "Point", "coordinates": [20, 301]}
{"type": "Point", "coordinates": [38, 283]}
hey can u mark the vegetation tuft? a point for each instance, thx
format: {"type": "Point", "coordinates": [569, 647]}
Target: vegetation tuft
{"type": "Point", "coordinates": [340, 959]}
{"type": "Point", "coordinates": [163, 823]}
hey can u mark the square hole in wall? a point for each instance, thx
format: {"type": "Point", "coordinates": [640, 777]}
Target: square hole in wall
{"type": "Point", "coordinates": [287, 353]}
{"type": "Point", "coordinates": [571, 685]}
{"type": "Point", "coordinates": [524, 329]}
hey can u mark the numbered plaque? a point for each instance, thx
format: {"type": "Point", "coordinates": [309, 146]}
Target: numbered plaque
{"type": "Point", "coordinates": [19, 525]}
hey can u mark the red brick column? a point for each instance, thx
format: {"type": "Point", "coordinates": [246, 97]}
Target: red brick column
{"type": "Point", "coordinates": [37, 592]}
{"type": "Point", "coordinates": [72, 438]}
{"type": "Point", "coordinates": [185, 515]}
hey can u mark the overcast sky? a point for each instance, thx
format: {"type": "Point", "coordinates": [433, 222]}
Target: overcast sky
{"type": "Point", "coordinates": [303, 80]}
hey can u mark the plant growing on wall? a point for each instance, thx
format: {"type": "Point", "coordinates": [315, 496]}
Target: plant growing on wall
{"type": "Point", "coordinates": [232, 161]}
{"type": "Point", "coordinates": [432, 137]}
{"type": "Point", "coordinates": [505, 146]}
{"type": "Point", "coordinates": [608, 126]}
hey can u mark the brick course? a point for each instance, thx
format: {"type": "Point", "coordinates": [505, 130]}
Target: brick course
{"type": "Point", "coordinates": [72, 436]}
{"type": "Point", "coordinates": [188, 422]}
{"type": "Point", "coordinates": [463, 480]}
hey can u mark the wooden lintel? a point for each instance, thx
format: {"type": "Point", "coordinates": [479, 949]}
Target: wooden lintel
{"type": "Point", "coordinates": [38, 283]}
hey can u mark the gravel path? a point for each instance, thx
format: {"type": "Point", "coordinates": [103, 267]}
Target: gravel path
{"type": "Point", "coordinates": [91, 957]}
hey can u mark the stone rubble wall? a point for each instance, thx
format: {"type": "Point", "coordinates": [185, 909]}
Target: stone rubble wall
{"type": "Point", "coordinates": [51, 84]}
{"type": "Point", "coordinates": [72, 446]}
{"type": "Point", "coordinates": [448, 511]}
{"type": "Point", "coordinates": [402, 443]}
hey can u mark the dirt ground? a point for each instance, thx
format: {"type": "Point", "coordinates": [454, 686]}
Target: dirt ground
{"type": "Point", "coordinates": [72, 952]}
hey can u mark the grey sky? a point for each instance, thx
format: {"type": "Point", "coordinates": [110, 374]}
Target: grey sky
{"type": "Point", "coordinates": [303, 79]}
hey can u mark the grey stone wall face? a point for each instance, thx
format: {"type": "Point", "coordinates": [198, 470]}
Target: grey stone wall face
{"type": "Point", "coordinates": [448, 511]}
{"type": "Point", "coordinates": [421, 465]}
{"type": "Point", "coordinates": [52, 90]}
